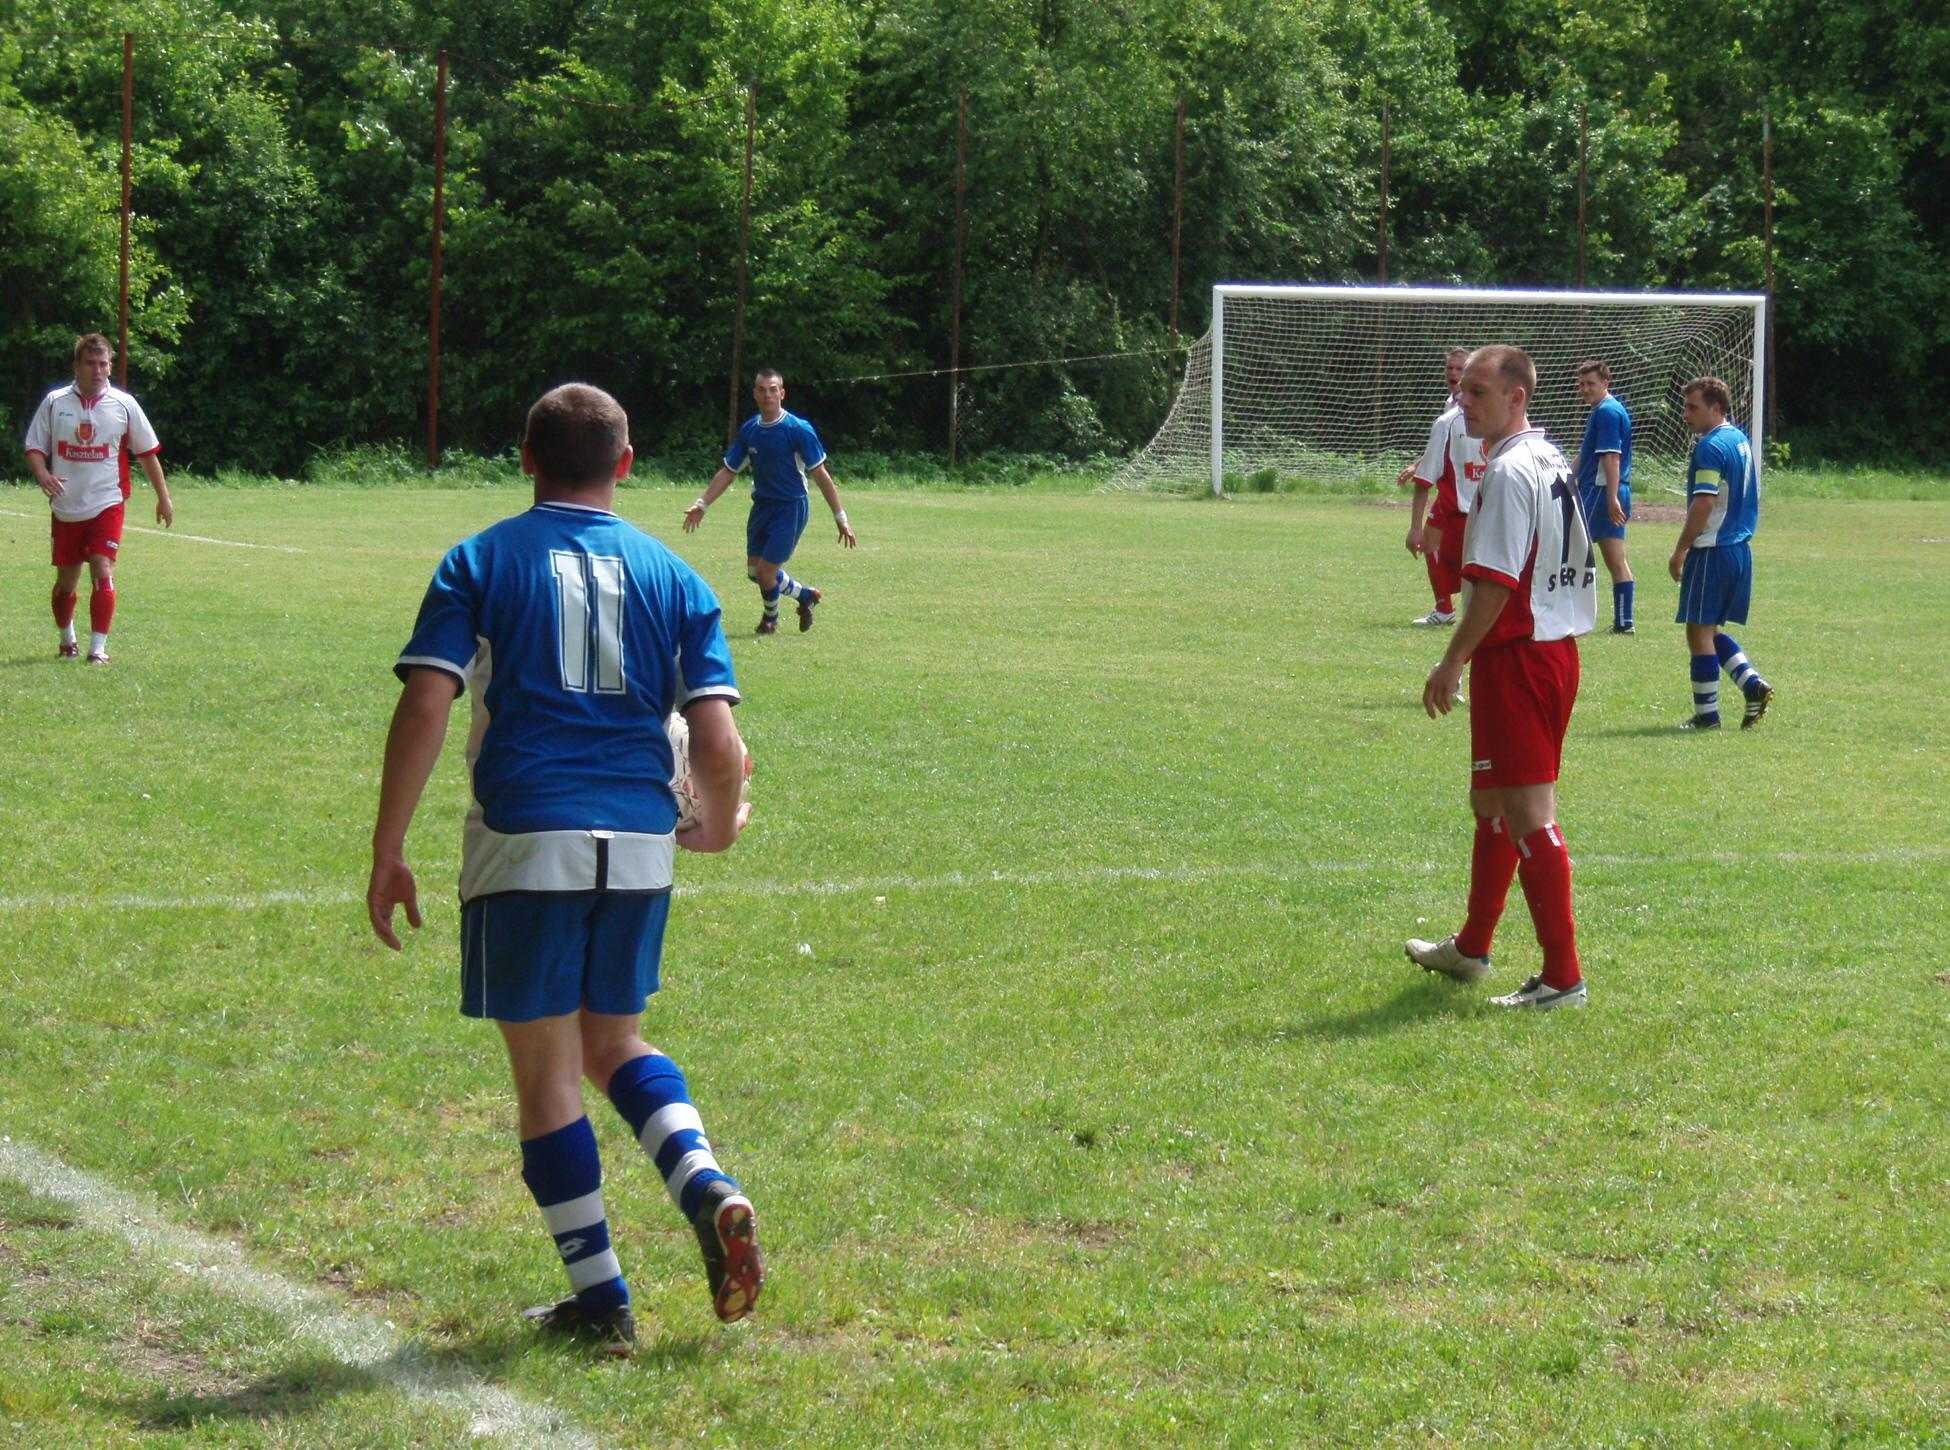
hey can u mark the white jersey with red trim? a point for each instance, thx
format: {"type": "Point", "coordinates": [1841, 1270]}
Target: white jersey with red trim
{"type": "Point", "coordinates": [1453, 461]}
{"type": "Point", "coordinates": [88, 443]}
{"type": "Point", "coordinates": [1466, 458]}
{"type": "Point", "coordinates": [1528, 534]}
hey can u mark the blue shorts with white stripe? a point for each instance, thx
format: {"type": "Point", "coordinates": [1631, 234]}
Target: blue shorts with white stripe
{"type": "Point", "coordinates": [1715, 585]}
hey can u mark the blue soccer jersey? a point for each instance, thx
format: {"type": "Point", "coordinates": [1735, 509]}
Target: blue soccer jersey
{"type": "Point", "coordinates": [1607, 430]}
{"type": "Point", "coordinates": [579, 633]}
{"type": "Point", "coordinates": [1723, 466]}
{"type": "Point", "coordinates": [779, 454]}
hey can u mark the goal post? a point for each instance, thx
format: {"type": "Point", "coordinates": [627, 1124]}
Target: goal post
{"type": "Point", "coordinates": [1338, 384]}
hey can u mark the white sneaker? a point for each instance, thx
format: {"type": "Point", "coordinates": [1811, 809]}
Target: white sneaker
{"type": "Point", "coordinates": [1534, 993]}
{"type": "Point", "coordinates": [1436, 616]}
{"type": "Point", "coordinates": [1442, 956]}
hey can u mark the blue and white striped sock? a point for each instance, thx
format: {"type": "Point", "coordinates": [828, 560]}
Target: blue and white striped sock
{"type": "Point", "coordinates": [564, 1173]}
{"type": "Point", "coordinates": [771, 602]}
{"type": "Point", "coordinates": [1621, 604]}
{"type": "Point", "coordinates": [1706, 686]}
{"type": "Point", "coordinates": [1734, 662]}
{"type": "Point", "coordinates": [788, 586]}
{"type": "Point", "coordinates": [649, 1092]}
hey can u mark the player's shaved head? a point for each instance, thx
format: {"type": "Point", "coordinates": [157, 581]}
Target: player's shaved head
{"type": "Point", "coordinates": [1458, 351]}
{"type": "Point", "coordinates": [576, 435]}
{"type": "Point", "coordinates": [1511, 365]}
{"type": "Point", "coordinates": [1710, 391]}
{"type": "Point", "coordinates": [91, 342]}
{"type": "Point", "coordinates": [773, 373]}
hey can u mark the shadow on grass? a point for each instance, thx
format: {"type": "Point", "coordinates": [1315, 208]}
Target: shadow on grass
{"type": "Point", "coordinates": [21, 662]}
{"type": "Point", "coordinates": [1667, 729]}
{"type": "Point", "coordinates": [292, 1391]}
{"type": "Point", "coordinates": [1420, 1001]}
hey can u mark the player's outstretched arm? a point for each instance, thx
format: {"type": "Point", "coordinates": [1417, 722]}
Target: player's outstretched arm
{"type": "Point", "coordinates": [412, 746]}
{"type": "Point", "coordinates": [831, 490]}
{"type": "Point", "coordinates": [720, 766]}
{"type": "Point", "coordinates": [694, 515]}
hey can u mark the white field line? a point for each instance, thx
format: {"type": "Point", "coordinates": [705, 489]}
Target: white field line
{"type": "Point", "coordinates": [175, 534]}
{"type": "Point", "coordinates": [978, 880]}
{"type": "Point", "coordinates": [356, 1340]}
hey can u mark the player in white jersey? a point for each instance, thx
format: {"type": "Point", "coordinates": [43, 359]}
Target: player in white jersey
{"type": "Point", "coordinates": [1529, 578]}
{"type": "Point", "coordinates": [1450, 465]}
{"type": "Point", "coordinates": [79, 445]}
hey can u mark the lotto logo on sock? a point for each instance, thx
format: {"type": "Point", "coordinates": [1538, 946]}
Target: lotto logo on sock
{"type": "Point", "coordinates": [1481, 767]}
{"type": "Point", "coordinates": [570, 1248]}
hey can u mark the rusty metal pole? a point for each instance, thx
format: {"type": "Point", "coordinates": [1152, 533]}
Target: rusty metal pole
{"type": "Point", "coordinates": [1767, 261]}
{"type": "Point", "coordinates": [1382, 224]}
{"type": "Point", "coordinates": [954, 322]}
{"type": "Point", "coordinates": [1177, 219]}
{"type": "Point", "coordinates": [744, 263]}
{"type": "Point", "coordinates": [439, 221]}
{"type": "Point", "coordinates": [128, 135]}
{"type": "Point", "coordinates": [1584, 148]}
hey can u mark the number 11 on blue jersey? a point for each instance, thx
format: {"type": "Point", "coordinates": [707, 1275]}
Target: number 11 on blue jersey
{"type": "Point", "coordinates": [589, 605]}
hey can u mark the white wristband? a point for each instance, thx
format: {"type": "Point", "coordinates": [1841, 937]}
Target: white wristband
{"type": "Point", "coordinates": [700, 505]}
{"type": "Point", "coordinates": [839, 517]}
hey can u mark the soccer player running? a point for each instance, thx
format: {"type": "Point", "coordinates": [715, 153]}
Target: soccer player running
{"type": "Point", "coordinates": [1713, 561]}
{"type": "Point", "coordinates": [1528, 594]}
{"type": "Point", "coordinates": [1451, 464]}
{"type": "Point", "coordinates": [79, 444]}
{"type": "Point", "coordinates": [782, 451]}
{"type": "Point", "coordinates": [579, 634]}
{"type": "Point", "coordinates": [1605, 482]}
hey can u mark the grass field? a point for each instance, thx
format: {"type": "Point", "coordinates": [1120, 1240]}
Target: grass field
{"type": "Point", "coordinates": [1052, 1011]}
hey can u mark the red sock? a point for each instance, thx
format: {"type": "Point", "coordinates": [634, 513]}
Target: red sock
{"type": "Point", "coordinates": [101, 607]}
{"type": "Point", "coordinates": [1491, 865]}
{"type": "Point", "coordinates": [1546, 873]}
{"type": "Point", "coordinates": [63, 608]}
{"type": "Point", "coordinates": [1442, 601]}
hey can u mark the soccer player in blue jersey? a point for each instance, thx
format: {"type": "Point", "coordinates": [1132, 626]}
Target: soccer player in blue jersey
{"type": "Point", "coordinates": [1605, 482]}
{"type": "Point", "coordinates": [782, 452]}
{"type": "Point", "coordinates": [1714, 561]}
{"type": "Point", "coordinates": [579, 634]}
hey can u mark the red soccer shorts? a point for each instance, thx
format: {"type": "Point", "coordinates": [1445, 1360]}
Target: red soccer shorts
{"type": "Point", "coordinates": [76, 543]}
{"type": "Point", "coordinates": [1520, 699]}
{"type": "Point", "coordinates": [1445, 565]}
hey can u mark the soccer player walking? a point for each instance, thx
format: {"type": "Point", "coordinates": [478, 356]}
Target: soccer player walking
{"type": "Point", "coordinates": [1605, 482]}
{"type": "Point", "coordinates": [1529, 578]}
{"type": "Point", "coordinates": [782, 451]}
{"type": "Point", "coordinates": [1713, 561]}
{"type": "Point", "coordinates": [1451, 465]}
{"type": "Point", "coordinates": [79, 445]}
{"type": "Point", "coordinates": [579, 634]}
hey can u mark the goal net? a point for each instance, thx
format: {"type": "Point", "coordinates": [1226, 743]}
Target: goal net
{"type": "Point", "coordinates": [1340, 384]}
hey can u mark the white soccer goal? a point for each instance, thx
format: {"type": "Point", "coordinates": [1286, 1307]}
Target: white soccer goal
{"type": "Point", "coordinates": [1341, 383]}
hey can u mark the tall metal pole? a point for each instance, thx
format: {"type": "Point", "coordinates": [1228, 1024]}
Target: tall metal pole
{"type": "Point", "coordinates": [128, 132]}
{"type": "Point", "coordinates": [1177, 218]}
{"type": "Point", "coordinates": [1767, 256]}
{"type": "Point", "coordinates": [954, 320]}
{"type": "Point", "coordinates": [1584, 153]}
{"type": "Point", "coordinates": [744, 263]}
{"type": "Point", "coordinates": [439, 227]}
{"type": "Point", "coordinates": [1382, 224]}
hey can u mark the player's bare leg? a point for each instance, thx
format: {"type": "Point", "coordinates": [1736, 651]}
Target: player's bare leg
{"type": "Point", "coordinates": [67, 580]}
{"type": "Point", "coordinates": [101, 606]}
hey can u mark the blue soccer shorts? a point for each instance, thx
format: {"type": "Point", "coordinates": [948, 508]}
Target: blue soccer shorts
{"type": "Point", "coordinates": [529, 954]}
{"type": "Point", "coordinates": [1597, 512]}
{"type": "Point", "coordinates": [1716, 584]}
{"type": "Point", "coordinates": [772, 532]}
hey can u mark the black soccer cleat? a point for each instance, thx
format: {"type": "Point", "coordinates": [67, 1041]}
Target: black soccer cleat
{"type": "Point", "coordinates": [1757, 704]}
{"type": "Point", "coordinates": [807, 600]}
{"type": "Point", "coordinates": [767, 624]}
{"type": "Point", "coordinates": [1701, 722]}
{"type": "Point", "coordinates": [727, 1236]}
{"type": "Point", "coordinates": [611, 1330]}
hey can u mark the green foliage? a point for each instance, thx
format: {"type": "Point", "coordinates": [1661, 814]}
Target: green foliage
{"type": "Point", "coordinates": [284, 164]}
